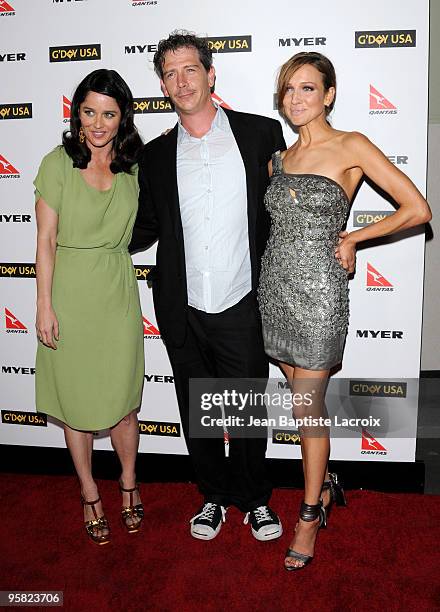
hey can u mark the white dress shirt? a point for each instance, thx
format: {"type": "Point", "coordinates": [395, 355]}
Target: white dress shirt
{"type": "Point", "coordinates": [213, 206]}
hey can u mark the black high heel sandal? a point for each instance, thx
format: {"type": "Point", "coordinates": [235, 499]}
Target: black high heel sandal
{"type": "Point", "coordinates": [337, 495]}
{"type": "Point", "coordinates": [132, 516]}
{"type": "Point", "coordinates": [308, 513]}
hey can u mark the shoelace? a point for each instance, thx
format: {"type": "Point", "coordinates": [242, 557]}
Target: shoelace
{"type": "Point", "coordinates": [207, 512]}
{"type": "Point", "coordinates": [261, 514]}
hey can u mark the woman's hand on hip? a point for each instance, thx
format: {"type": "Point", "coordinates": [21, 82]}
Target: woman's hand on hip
{"type": "Point", "coordinates": [345, 252]}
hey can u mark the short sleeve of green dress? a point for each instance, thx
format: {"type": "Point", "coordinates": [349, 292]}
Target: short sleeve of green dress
{"type": "Point", "coordinates": [49, 180]}
{"type": "Point", "coordinates": [95, 376]}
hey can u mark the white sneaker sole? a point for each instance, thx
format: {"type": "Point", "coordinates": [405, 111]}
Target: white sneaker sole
{"type": "Point", "coordinates": [203, 536]}
{"type": "Point", "coordinates": [268, 536]}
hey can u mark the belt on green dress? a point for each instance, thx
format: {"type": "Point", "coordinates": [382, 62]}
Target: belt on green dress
{"type": "Point", "coordinates": [129, 277]}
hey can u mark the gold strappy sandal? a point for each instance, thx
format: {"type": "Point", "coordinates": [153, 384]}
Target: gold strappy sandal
{"type": "Point", "coordinates": [95, 527]}
{"type": "Point", "coordinates": [132, 516]}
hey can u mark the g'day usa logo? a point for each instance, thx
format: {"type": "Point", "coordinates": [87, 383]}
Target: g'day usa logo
{"type": "Point", "coordinates": [7, 170]}
{"type": "Point", "coordinates": [371, 39]}
{"type": "Point", "coordinates": [17, 270]}
{"type": "Point", "coordinates": [16, 417]}
{"type": "Point", "coordinates": [75, 53]}
{"type": "Point", "coordinates": [230, 44]}
{"type": "Point", "coordinates": [152, 105]}
{"type": "Point", "coordinates": [378, 388]}
{"type": "Point", "coordinates": [362, 218]}
{"type": "Point", "coordinates": [14, 325]}
{"type": "Point", "coordinates": [6, 9]}
{"type": "Point", "coordinates": [379, 105]}
{"type": "Point", "coordinates": [159, 428]}
{"type": "Point", "coordinates": [22, 110]}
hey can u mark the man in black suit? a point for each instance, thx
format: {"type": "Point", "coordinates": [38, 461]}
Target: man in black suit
{"type": "Point", "coordinates": [202, 187]}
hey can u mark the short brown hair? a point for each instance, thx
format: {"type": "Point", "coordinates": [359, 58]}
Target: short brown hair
{"type": "Point", "coordinates": [178, 39]}
{"type": "Point", "coordinates": [319, 61]}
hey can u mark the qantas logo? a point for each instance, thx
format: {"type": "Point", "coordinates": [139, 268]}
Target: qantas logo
{"type": "Point", "coordinates": [66, 109]}
{"type": "Point", "coordinates": [14, 325]}
{"type": "Point", "coordinates": [143, 2]}
{"type": "Point", "coordinates": [6, 8]}
{"type": "Point", "coordinates": [377, 282]}
{"type": "Point", "coordinates": [379, 105]}
{"type": "Point", "coordinates": [219, 101]}
{"type": "Point", "coordinates": [7, 170]}
{"type": "Point", "coordinates": [150, 331]}
{"type": "Point", "coordinates": [370, 446]}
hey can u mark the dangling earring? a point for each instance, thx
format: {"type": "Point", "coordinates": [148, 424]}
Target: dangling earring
{"type": "Point", "coordinates": [81, 135]}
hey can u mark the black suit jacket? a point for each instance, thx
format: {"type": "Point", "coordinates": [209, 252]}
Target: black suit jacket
{"type": "Point", "coordinates": [158, 216]}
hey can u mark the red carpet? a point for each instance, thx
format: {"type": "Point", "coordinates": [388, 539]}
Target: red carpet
{"type": "Point", "coordinates": [380, 553]}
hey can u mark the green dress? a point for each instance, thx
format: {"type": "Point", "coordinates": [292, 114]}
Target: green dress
{"type": "Point", "coordinates": [95, 376]}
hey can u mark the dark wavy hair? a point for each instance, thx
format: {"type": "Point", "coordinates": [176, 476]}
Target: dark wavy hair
{"type": "Point", "coordinates": [127, 143]}
{"type": "Point", "coordinates": [178, 39]}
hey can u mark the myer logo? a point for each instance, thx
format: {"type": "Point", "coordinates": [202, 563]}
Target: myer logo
{"type": "Point", "coordinates": [143, 272]}
{"type": "Point", "coordinates": [6, 9]}
{"type": "Point", "coordinates": [17, 370]}
{"type": "Point", "coordinates": [21, 110]}
{"type": "Point", "coordinates": [381, 333]}
{"type": "Point", "coordinates": [75, 53]}
{"type": "Point", "coordinates": [66, 1]}
{"type": "Point", "coordinates": [12, 57]}
{"type": "Point", "coordinates": [159, 428]}
{"type": "Point", "coordinates": [230, 44]}
{"type": "Point", "coordinates": [282, 436]}
{"type": "Point", "coordinates": [15, 417]}
{"type": "Point", "coordinates": [398, 160]}
{"type": "Point", "coordinates": [152, 105]}
{"type": "Point", "coordinates": [306, 41]}
{"type": "Point", "coordinates": [140, 48]}
{"type": "Point", "coordinates": [15, 218]}
{"type": "Point", "coordinates": [158, 378]}
{"type": "Point", "coordinates": [17, 270]}
{"type": "Point", "coordinates": [371, 39]}
{"type": "Point", "coordinates": [362, 218]}
{"type": "Point", "coordinates": [378, 388]}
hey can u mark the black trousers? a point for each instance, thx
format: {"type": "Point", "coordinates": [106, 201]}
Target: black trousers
{"type": "Point", "coordinates": [228, 344]}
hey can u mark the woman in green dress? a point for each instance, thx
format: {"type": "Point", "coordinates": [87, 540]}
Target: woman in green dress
{"type": "Point", "coordinates": [90, 358]}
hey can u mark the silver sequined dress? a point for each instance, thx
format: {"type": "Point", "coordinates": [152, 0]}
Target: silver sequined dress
{"type": "Point", "coordinates": [303, 290]}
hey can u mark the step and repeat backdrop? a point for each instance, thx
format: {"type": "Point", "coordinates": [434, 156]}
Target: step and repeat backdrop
{"type": "Point", "coordinates": [380, 51]}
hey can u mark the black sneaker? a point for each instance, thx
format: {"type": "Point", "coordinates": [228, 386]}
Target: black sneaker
{"type": "Point", "coordinates": [206, 524]}
{"type": "Point", "coordinates": [265, 523]}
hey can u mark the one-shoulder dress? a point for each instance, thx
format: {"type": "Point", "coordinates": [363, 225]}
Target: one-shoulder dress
{"type": "Point", "coordinates": [95, 376]}
{"type": "Point", "coordinates": [303, 289]}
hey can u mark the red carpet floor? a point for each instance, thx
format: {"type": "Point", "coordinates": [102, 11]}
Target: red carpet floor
{"type": "Point", "coordinates": [380, 553]}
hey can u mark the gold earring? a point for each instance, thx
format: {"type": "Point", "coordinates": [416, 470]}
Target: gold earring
{"type": "Point", "coordinates": [81, 135]}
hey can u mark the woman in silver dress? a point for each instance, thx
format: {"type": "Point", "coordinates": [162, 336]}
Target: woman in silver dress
{"type": "Point", "coordinates": [303, 292]}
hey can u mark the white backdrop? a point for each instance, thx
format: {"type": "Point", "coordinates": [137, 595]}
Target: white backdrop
{"type": "Point", "coordinates": [380, 51]}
